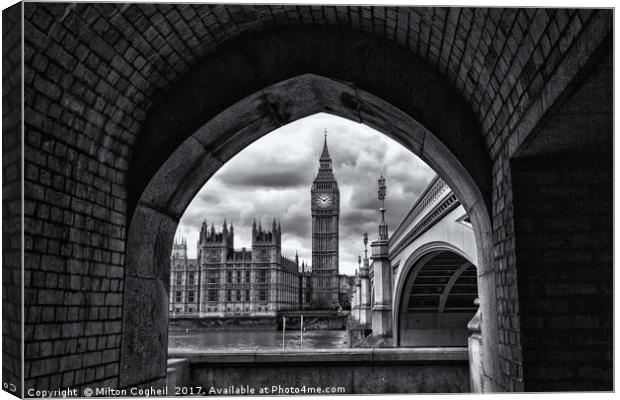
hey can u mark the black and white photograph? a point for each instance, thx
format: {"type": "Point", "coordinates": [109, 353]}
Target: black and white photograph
{"type": "Point", "coordinates": [313, 199]}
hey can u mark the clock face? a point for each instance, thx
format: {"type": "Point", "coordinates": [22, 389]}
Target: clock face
{"type": "Point", "coordinates": [323, 200]}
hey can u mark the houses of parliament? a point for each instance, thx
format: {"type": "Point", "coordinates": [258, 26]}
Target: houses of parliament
{"type": "Point", "coordinates": [223, 281]}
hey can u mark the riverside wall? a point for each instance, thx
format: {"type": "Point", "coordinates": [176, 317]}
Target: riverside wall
{"type": "Point", "coordinates": [352, 371]}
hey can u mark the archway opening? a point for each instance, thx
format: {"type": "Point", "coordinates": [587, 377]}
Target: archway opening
{"type": "Point", "coordinates": [236, 301]}
{"type": "Point", "coordinates": [162, 202]}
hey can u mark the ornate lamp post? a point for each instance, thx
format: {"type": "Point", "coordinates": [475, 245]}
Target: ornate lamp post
{"type": "Point", "coordinates": [383, 232]}
{"type": "Point", "coordinates": [382, 273]}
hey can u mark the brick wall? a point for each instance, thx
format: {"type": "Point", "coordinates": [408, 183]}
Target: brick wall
{"type": "Point", "coordinates": [563, 209]}
{"type": "Point", "coordinates": [74, 218]}
{"type": "Point", "coordinates": [94, 71]}
{"type": "Point", "coordinates": [11, 201]}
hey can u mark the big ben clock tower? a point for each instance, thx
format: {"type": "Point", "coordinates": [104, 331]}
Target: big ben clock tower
{"type": "Point", "coordinates": [325, 206]}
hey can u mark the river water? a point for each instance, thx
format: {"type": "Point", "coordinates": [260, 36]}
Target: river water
{"type": "Point", "coordinates": [255, 340]}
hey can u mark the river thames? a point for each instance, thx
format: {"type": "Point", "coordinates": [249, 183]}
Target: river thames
{"type": "Point", "coordinates": [256, 340]}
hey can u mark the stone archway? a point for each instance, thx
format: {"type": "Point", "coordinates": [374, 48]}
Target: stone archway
{"type": "Point", "coordinates": [173, 186]}
{"type": "Point", "coordinates": [110, 90]}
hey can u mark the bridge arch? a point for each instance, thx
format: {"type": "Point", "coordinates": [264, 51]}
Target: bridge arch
{"type": "Point", "coordinates": [450, 264]}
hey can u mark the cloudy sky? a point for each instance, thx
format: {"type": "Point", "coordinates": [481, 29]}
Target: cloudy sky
{"type": "Point", "coordinates": [272, 178]}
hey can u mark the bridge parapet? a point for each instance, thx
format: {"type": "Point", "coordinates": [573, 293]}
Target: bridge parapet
{"type": "Point", "coordinates": [435, 203]}
{"type": "Point", "coordinates": [435, 192]}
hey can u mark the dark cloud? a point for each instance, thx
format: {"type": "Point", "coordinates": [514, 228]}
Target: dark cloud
{"type": "Point", "coordinates": [356, 217]}
{"type": "Point", "coordinates": [363, 198]}
{"type": "Point", "coordinates": [272, 178]}
{"type": "Point", "coordinates": [265, 176]}
{"type": "Point", "coordinates": [296, 223]}
{"type": "Point", "coordinates": [208, 197]}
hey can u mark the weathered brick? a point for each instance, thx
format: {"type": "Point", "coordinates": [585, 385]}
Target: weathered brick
{"type": "Point", "coordinates": [43, 367]}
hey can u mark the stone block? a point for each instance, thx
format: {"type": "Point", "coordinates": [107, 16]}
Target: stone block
{"type": "Point", "coordinates": [148, 247]}
{"type": "Point", "coordinates": [145, 331]}
{"type": "Point", "coordinates": [191, 165]}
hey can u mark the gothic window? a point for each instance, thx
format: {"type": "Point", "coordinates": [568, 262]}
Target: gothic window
{"type": "Point", "coordinates": [262, 295]}
{"type": "Point", "coordinates": [212, 277]}
{"type": "Point", "coordinates": [263, 255]}
{"type": "Point", "coordinates": [247, 295]}
{"type": "Point", "coordinates": [238, 276]}
{"type": "Point", "coordinates": [229, 277]}
{"type": "Point", "coordinates": [178, 297]}
{"type": "Point", "coordinates": [229, 295]}
{"type": "Point", "coordinates": [247, 276]}
{"type": "Point", "coordinates": [190, 279]}
{"type": "Point", "coordinates": [263, 276]}
{"type": "Point", "coordinates": [190, 296]}
{"type": "Point", "coordinates": [212, 295]}
{"type": "Point", "coordinates": [179, 278]}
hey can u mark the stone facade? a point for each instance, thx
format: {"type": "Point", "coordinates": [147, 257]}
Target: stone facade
{"type": "Point", "coordinates": [305, 287]}
{"type": "Point", "coordinates": [346, 285]}
{"type": "Point", "coordinates": [184, 282]}
{"type": "Point", "coordinates": [361, 310]}
{"type": "Point", "coordinates": [224, 282]}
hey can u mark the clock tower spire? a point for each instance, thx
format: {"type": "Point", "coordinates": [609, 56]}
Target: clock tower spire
{"type": "Point", "coordinates": [325, 209]}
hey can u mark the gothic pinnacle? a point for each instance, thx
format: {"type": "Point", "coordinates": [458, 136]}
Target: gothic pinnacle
{"type": "Point", "coordinates": [325, 153]}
